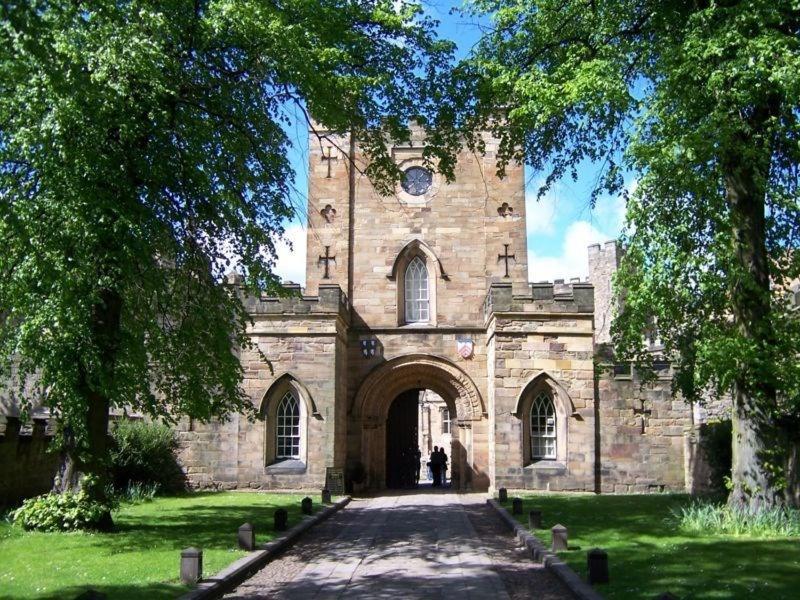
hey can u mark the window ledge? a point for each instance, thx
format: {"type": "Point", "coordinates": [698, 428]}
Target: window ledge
{"type": "Point", "coordinates": [286, 466]}
{"type": "Point", "coordinates": [546, 465]}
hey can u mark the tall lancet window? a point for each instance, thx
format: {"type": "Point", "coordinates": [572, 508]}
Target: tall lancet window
{"type": "Point", "coordinates": [543, 427]}
{"type": "Point", "coordinates": [417, 296]}
{"type": "Point", "coordinates": [287, 427]}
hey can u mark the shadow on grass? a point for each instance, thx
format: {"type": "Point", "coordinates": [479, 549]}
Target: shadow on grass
{"type": "Point", "coordinates": [648, 553]}
{"type": "Point", "coordinates": [140, 559]}
{"type": "Point", "coordinates": [196, 524]}
{"type": "Point", "coordinates": [151, 591]}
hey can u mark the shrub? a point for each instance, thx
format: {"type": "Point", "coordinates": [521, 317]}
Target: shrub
{"type": "Point", "coordinates": [137, 492]}
{"type": "Point", "coordinates": [143, 453]}
{"type": "Point", "coordinates": [712, 518]}
{"type": "Point", "coordinates": [66, 511]}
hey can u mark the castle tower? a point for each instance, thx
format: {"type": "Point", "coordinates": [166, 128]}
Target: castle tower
{"type": "Point", "coordinates": [467, 233]}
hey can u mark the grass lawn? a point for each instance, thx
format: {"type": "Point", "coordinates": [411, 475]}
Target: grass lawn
{"type": "Point", "coordinates": [142, 558]}
{"type": "Point", "coordinates": [648, 555]}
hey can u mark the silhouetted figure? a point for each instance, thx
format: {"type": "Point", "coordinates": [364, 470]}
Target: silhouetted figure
{"type": "Point", "coordinates": [443, 461]}
{"type": "Point", "coordinates": [417, 465]}
{"type": "Point", "coordinates": [436, 466]}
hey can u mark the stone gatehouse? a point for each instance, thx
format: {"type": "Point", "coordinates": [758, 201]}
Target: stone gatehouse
{"type": "Point", "coordinates": [427, 289]}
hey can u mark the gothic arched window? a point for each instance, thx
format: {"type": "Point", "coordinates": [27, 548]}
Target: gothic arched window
{"type": "Point", "coordinates": [543, 427]}
{"type": "Point", "coordinates": [287, 427]}
{"type": "Point", "coordinates": [417, 297]}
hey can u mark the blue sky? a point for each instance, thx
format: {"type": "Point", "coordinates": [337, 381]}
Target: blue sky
{"type": "Point", "coordinates": [560, 226]}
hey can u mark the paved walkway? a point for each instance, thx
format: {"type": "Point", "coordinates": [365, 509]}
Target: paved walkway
{"type": "Point", "coordinates": [422, 545]}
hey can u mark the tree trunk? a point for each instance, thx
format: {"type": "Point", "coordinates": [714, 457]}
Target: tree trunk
{"type": "Point", "coordinates": [790, 426]}
{"type": "Point", "coordinates": [754, 444]}
{"type": "Point", "coordinates": [90, 455]}
{"type": "Point", "coordinates": [755, 434]}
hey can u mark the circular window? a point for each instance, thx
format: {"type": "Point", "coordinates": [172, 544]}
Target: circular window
{"type": "Point", "coordinates": [416, 181]}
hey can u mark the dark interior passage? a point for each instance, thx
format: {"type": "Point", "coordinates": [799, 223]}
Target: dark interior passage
{"type": "Point", "coordinates": [401, 440]}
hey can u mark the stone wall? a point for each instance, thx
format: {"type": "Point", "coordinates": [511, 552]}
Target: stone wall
{"type": "Point", "coordinates": [27, 467]}
{"type": "Point", "coordinates": [303, 339]}
{"type": "Point", "coordinates": [613, 436]}
{"type": "Point", "coordinates": [542, 341]}
{"type": "Point", "coordinates": [642, 434]}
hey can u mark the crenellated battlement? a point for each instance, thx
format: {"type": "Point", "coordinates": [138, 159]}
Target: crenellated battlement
{"type": "Point", "coordinates": [13, 429]}
{"type": "Point", "coordinates": [27, 466]}
{"type": "Point", "coordinates": [543, 297]}
{"type": "Point", "coordinates": [331, 300]}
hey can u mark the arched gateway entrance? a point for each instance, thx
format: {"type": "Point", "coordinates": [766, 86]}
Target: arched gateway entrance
{"type": "Point", "coordinates": [370, 411]}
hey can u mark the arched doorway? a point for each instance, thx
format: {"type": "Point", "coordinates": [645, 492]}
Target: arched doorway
{"type": "Point", "coordinates": [401, 439]}
{"type": "Point", "coordinates": [372, 403]}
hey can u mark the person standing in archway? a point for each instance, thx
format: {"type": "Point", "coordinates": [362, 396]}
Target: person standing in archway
{"type": "Point", "coordinates": [417, 465]}
{"type": "Point", "coordinates": [443, 469]}
{"type": "Point", "coordinates": [436, 466]}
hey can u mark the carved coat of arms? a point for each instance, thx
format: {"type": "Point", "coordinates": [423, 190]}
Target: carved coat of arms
{"type": "Point", "coordinates": [465, 347]}
{"type": "Point", "coordinates": [369, 348]}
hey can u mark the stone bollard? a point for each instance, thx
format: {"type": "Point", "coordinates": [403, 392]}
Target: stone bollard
{"type": "Point", "coordinates": [280, 518]}
{"type": "Point", "coordinates": [326, 496]}
{"type": "Point", "coordinates": [535, 519]}
{"type": "Point", "coordinates": [306, 505]}
{"type": "Point", "coordinates": [191, 566]}
{"type": "Point", "coordinates": [597, 562]}
{"type": "Point", "coordinates": [502, 495]}
{"type": "Point", "coordinates": [247, 537]}
{"type": "Point", "coordinates": [516, 506]}
{"type": "Point", "coordinates": [559, 539]}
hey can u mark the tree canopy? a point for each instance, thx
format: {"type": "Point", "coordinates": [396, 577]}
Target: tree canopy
{"type": "Point", "coordinates": [698, 100]}
{"type": "Point", "coordinates": [144, 154]}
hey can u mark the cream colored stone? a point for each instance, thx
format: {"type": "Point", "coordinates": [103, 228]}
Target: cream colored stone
{"type": "Point", "coordinates": [533, 339]}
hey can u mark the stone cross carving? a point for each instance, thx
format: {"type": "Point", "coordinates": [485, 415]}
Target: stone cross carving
{"type": "Point", "coordinates": [644, 413]}
{"type": "Point", "coordinates": [328, 213]}
{"type": "Point", "coordinates": [505, 210]}
{"type": "Point", "coordinates": [505, 256]}
{"type": "Point", "coordinates": [327, 260]}
{"type": "Point", "coordinates": [328, 158]}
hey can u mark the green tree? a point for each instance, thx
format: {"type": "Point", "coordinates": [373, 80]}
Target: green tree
{"type": "Point", "coordinates": [699, 100]}
{"type": "Point", "coordinates": [142, 145]}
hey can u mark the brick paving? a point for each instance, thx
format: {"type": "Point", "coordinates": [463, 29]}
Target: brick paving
{"type": "Point", "coordinates": [413, 545]}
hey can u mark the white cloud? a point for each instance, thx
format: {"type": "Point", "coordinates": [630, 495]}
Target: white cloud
{"type": "Point", "coordinates": [573, 259]}
{"type": "Point", "coordinates": [608, 214]}
{"type": "Point", "coordinates": [291, 262]}
{"type": "Point", "coordinates": [541, 214]}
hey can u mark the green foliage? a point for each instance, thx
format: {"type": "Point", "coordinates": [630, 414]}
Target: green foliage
{"type": "Point", "coordinates": [144, 155]}
{"type": "Point", "coordinates": [716, 443]}
{"type": "Point", "coordinates": [68, 511]}
{"type": "Point", "coordinates": [698, 102]}
{"type": "Point", "coordinates": [666, 92]}
{"type": "Point", "coordinates": [649, 554]}
{"type": "Point", "coordinates": [138, 559]}
{"type": "Point", "coordinates": [143, 453]}
{"type": "Point", "coordinates": [708, 518]}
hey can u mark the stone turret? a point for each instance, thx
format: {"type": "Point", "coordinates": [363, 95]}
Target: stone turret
{"type": "Point", "coordinates": [603, 263]}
